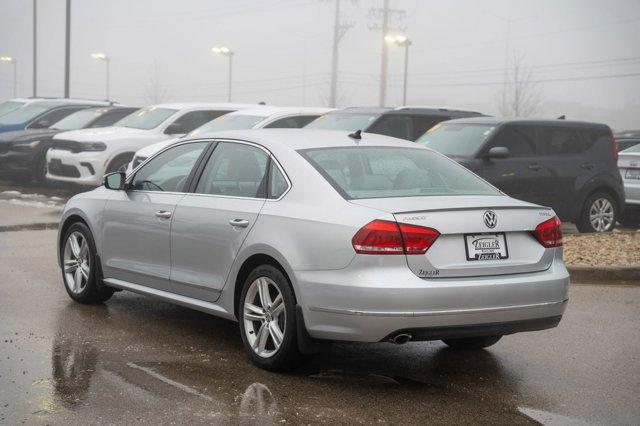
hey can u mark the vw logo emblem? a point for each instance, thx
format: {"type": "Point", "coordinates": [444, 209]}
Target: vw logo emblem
{"type": "Point", "coordinates": [490, 219]}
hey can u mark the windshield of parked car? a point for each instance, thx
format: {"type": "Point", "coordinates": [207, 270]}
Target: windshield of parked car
{"type": "Point", "coordinates": [228, 122]}
{"type": "Point", "coordinates": [146, 118]}
{"type": "Point", "coordinates": [23, 115]}
{"type": "Point", "coordinates": [78, 120]}
{"type": "Point", "coordinates": [8, 106]}
{"type": "Point", "coordinates": [343, 121]}
{"type": "Point", "coordinates": [456, 139]}
{"type": "Point", "coordinates": [382, 172]}
{"type": "Point", "coordinates": [635, 148]}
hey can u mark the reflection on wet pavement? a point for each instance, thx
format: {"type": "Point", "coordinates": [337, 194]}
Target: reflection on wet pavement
{"type": "Point", "coordinates": [139, 360]}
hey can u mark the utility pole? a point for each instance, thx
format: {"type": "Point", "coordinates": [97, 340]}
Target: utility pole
{"type": "Point", "coordinates": [386, 20]}
{"type": "Point", "coordinates": [67, 53]}
{"type": "Point", "coordinates": [35, 48]}
{"type": "Point", "coordinates": [339, 30]}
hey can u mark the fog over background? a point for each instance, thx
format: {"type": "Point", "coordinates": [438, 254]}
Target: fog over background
{"type": "Point", "coordinates": [161, 50]}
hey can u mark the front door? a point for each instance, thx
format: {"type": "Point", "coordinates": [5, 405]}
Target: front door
{"type": "Point", "coordinates": [210, 225]}
{"type": "Point", "coordinates": [137, 222]}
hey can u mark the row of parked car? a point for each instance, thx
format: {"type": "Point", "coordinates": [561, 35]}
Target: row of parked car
{"type": "Point", "coordinates": [568, 165]}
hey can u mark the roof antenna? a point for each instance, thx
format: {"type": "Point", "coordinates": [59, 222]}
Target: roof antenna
{"type": "Point", "coordinates": [357, 135]}
{"type": "Point", "coordinates": [562, 117]}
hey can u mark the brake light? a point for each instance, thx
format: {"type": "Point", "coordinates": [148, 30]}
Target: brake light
{"type": "Point", "coordinates": [386, 237]}
{"type": "Point", "coordinates": [614, 147]}
{"type": "Point", "coordinates": [549, 233]}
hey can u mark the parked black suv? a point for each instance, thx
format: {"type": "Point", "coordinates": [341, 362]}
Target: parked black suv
{"type": "Point", "coordinates": [567, 165]}
{"type": "Point", "coordinates": [23, 152]}
{"type": "Point", "coordinates": [402, 122]}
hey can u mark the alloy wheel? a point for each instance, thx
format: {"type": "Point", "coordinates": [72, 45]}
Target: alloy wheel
{"type": "Point", "coordinates": [264, 317]}
{"type": "Point", "coordinates": [77, 264]}
{"type": "Point", "coordinates": [601, 215]}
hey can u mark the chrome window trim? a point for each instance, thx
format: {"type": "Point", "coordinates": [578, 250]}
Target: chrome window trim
{"type": "Point", "coordinates": [269, 154]}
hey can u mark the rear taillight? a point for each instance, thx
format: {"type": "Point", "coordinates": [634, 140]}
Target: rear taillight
{"type": "Point", "coordinates": [386, 237]}
{"type": "Point", "coordinates": [614, 147]}
{"type": "Point", "coordinates": [549, 233]}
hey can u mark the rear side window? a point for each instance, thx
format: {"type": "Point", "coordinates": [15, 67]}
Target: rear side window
{"type": "Point", "coordinates": [194, 119]}
{"type": "Point", "coordinates": [235, 170]}
{"type": "Point", "coordinates": [563, 141]}
{"type": "Point", "coordinates": [295, 122]}
{"type": "Point", "coordinates": [382, 172]}
{"type": "Point", "coordinates": [397, 126]}
{"type": "Point", "coordinates": [277, 182]}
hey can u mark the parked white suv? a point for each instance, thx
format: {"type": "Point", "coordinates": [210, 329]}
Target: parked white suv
{"type": "Point", "coordinates": [256, 118]}
{"type": "Point", "coordinates": [84, 156]}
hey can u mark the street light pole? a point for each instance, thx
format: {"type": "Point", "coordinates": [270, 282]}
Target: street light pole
{"type": "Point", "coordinates": [15, 72]}
{"type": "Point", "coordinates": [401, 40]}
{"type": "Point", "coordinates": [225, 51]}
{"type": "Point", "coordinates": [107, 61]}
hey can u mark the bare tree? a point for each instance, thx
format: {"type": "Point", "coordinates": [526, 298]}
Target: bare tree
{"type": "Point", "coordinates": [155, 92]}
{"type": "Point", "coordinates": [520, 95]}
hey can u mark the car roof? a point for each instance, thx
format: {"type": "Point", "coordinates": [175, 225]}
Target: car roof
{"type": "Point", "coordinates": [519, 120]}
{"type": "Point", "coordinates": [51, 103]}
{"type": "Point", "coordinates": [203, 105]}
{"type": "Point", "coordinates": [271, 111]}
{"type": "Point", "coordinates": [408, 109]}
{"type": "Point", "coordinates": [295, 139]}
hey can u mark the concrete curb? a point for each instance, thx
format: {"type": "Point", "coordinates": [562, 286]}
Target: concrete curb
{"type": "Point", "coordinates": [29, 227]}
{"type": "Point", "coordinates": [605, 275]}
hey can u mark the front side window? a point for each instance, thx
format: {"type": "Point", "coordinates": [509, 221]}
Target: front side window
{"type": "Point", "coordinates": [228, 122]}
{"type": "Point", "coordinates": [382, 172]}
{"type": "Point", "coordinates": [235, 170]}
{"type": "Point", "coordinates": [169, 171]}
{"type": "Point", "coordinates": [456, 139]}
{"type": "Point", "coordinates": [193, 120]}
{"type": "Point", "coordinates": [146, 118]}
{"type": "Point", "coordinates": [343, 121]}
{"type": "Point", "coordinates": [519, 140]}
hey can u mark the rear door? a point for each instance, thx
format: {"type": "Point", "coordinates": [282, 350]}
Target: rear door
{"type": "Point", "coordinates": [210, 224]}
{"type": "Point", "coordinates": [137, 222]}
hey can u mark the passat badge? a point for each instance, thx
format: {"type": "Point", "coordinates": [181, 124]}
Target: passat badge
{"type": "Point", "coordinates": [490, 219]}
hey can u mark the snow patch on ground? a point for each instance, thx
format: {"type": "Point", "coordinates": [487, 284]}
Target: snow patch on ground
{"type": "Point", "coordinates": [31, 200]}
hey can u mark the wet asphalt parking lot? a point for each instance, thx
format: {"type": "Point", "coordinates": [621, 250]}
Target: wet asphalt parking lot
{"type": "Point", "coordinates": [137, 360]}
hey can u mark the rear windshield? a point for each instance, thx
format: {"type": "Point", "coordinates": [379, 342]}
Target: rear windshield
{"type": "Point", "coordinates": [8, 106]}
{"type": "Point", "coordinates": [146, 118]}
{"type": "Point", "coordinates": [456, 139]}
{"type": "Point", "coordinates": [343, 121]}
{"type": "Point", "coordinates": [23, 115]}
{"type": "Point", "coordinates": [382, 172]}
{"type": "Point", "coordinates": [635, 148]}
{"type": "Point", "coordinates": [228, 122]}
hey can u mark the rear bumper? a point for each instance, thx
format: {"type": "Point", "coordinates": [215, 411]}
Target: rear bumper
{"type": "Point", "coordinates": [355, 305]}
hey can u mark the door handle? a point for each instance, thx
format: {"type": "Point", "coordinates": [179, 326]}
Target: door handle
{"type": "Point", "coordinates": [242, 223]}
{"type": "Point", "coordinates": [163, 214]}
{"type": "Point", "coordinates": [534, 167]}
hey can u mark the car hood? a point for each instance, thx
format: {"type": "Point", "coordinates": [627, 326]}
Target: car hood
{"type": "Point", "coordinates": [447, 202]}
{"type": "Point", "coordinates": [103, 134]}
{"type": "Point", "coordinates": [148, 151]}
{"type": "Point", "coordinates": [27, 135]}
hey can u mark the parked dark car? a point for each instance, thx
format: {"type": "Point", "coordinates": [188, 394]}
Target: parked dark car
{"type": "Point", "coordinates": [41, 114]}
{"type": "Point", "coordinates": [627, 139]}
{"type": "Point", "coordinates": [22, 153]}
{"type": "Point", "coordinates": [403, 122]}
{"type": "Point", "coordinates": [567, 165]}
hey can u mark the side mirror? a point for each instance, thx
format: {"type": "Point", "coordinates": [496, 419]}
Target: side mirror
{"type": "Point", "coordinates": [498, 152]}
{"type": "Point", "coordinates": [174, 129]}
{"type": "Point", "coordinates": [115, 181]}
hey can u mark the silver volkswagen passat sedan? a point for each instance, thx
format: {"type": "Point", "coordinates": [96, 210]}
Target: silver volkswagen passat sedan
{"type": "Point", "coordinates": [304, 236]}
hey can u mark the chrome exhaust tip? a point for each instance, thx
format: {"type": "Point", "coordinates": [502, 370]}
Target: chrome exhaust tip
{"type": "Point", "coordinates": [402, 338]}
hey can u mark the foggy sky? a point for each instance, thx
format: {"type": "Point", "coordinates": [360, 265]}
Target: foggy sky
{"type": "Point", "coordinates": [283, 52]}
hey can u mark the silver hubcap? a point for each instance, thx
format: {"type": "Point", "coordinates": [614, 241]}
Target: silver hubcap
{"type": "Point", "coordinates": [76, 262]}
{"type": "Point", "coordinates": [601, 215]}
{"type": "Point", "coordinates": [264, 317]}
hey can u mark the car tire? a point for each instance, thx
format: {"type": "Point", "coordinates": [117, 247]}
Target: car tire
{"type": "Point", "coordinates": [599, 213]}
{"type": "Point", "coordinates": [40, 172]}
{"type": "Point", "coordinates": [260, 329]}
{"type": "Point", "coordinates": [469, 343]}
{"type": "Point", "coordinates": [82, 280]}
{"type": "Point", "coordinates": [120, 163]}
{"type": "Point", "coordinates": [631, 217]}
